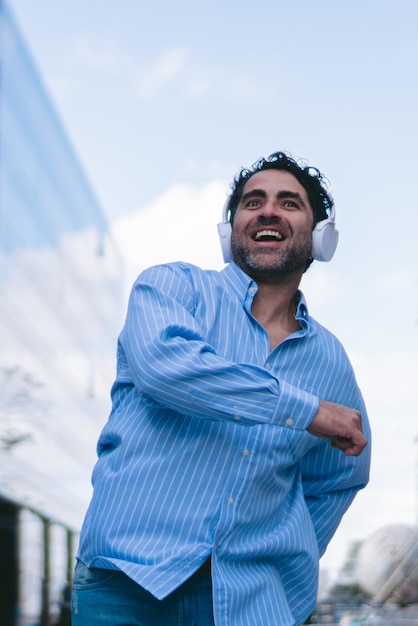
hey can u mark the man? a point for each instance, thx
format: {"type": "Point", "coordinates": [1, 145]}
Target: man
{"type": "Point", "coordinates": [235, 442]}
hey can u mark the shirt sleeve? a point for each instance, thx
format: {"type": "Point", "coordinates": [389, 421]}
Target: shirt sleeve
{"type": "Point", "coordinates": [331, 481]}
{"type": "Point", "coordinates": [163, 352]}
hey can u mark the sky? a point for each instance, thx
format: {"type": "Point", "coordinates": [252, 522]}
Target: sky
{"type": "Point", "coordinates": [163, 103]}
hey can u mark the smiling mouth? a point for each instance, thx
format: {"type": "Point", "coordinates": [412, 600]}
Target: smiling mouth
{"type": "Point", "coordinates": [268, 235]}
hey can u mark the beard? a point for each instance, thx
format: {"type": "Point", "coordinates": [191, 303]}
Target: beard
{"type": "Point", "coordinates": [272, 264]}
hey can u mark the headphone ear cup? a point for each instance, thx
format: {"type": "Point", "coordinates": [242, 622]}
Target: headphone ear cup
{"type": "Point", "coordinates": [324, 240]}
{"type": "Point", "coordinates": [225, 231]}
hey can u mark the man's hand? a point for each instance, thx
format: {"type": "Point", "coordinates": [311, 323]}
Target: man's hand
{"type": "Point", "coordinates": [341, 425]}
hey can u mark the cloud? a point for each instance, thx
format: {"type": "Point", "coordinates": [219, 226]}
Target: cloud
{"type": "Point", "coordinates": [397, 280]}
{"type": "Point", "coordinates": [167, 68]}
{"type": "Point", "coordinates": [108, 57]}
{"type": "Point", "coordinates": [180, 225]}
{"type": "Point", "coordinates": [321, 286]}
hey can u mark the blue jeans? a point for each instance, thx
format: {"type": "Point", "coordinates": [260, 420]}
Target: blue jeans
{"type": "Point", "coordinates": [110, 598]}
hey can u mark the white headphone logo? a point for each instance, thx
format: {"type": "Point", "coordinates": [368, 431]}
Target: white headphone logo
{"type": "Point", "coordinates": [324, 237]}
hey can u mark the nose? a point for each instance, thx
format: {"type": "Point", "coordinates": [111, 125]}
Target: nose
{"type": "Point", "coordinates": [270, 209]}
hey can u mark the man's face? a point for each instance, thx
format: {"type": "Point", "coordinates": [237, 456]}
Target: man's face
{"type": "Point", "coordinates": [272, 228]}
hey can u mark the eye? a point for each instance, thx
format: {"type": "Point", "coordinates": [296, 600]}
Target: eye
{"type": "Point", "coordinates": [252, 204]}
{"type": "Point", "coordinates": [290, 204]}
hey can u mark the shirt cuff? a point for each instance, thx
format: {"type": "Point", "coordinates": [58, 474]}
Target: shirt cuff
{"type": "Point", "coordinates": [296, 408]}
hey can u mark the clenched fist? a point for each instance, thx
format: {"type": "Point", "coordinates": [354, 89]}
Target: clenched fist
{"type": "Point", "coordinates": [341, 425]}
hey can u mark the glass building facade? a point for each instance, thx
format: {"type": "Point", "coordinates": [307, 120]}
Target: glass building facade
{"type": "Point", "coordinates": [60, 312]}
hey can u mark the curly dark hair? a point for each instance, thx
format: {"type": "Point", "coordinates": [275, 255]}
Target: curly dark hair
{"type": "Point", "coordinates": [309, 177]}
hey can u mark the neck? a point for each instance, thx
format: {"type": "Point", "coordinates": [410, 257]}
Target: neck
{"type": "Point", "coordinates": [274, 306]}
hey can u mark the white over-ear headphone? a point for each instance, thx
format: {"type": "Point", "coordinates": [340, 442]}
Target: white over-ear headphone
{"type": "Point", "coordinates": [324, 237]}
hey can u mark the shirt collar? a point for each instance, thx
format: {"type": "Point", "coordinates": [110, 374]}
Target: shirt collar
{"type": "Point", "coordinates": [301, 306]}
{"type": "Point", "coordinates": [240, 282]}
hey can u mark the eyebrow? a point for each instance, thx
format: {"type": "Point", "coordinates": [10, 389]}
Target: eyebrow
{"type": "Point", "coordinates": [260, 193]}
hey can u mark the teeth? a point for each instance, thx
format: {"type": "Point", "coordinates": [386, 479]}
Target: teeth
{"type": "Point", "coordinates": [268, 233]}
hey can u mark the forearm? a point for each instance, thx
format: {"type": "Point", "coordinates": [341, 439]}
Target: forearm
{"type": "Point", "coordinates": [164, 353]}
{"type": "Point", "coordinates": [186, 378]}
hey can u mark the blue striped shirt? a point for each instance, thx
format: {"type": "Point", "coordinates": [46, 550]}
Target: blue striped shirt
{"type": "Point", "coordinates": [206, 449]}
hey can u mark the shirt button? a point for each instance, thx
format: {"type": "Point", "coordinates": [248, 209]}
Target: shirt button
{"type": "Point", "coordinates": [251, 290]}
{"type": "Point", "coordinates": [289, 421]}
{"type": "Point", "coordinates": [237, 417]}
{"type": "Point", "coordinates": [230, 500]}
{"type": "Point", "coordinates": [268, 366]}
{"type": "Point", "coordinates": [245, 452]}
